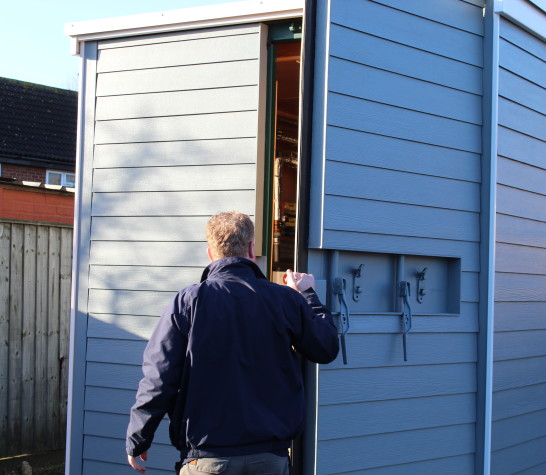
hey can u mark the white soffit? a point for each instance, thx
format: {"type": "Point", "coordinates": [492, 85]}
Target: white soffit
{"type": "Point", "coordinates": [184, 19]}
{"type": "Point", "coordinates": [530, 15]}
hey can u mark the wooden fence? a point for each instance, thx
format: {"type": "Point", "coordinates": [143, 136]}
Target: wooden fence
{"type": "Point", "coordinates": [35, 274]}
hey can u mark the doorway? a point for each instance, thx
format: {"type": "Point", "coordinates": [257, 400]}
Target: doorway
{"type": "Point", "coordinates": [282, 147]}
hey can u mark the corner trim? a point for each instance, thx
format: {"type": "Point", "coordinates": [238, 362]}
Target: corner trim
{"type": "Point", "coordinates": [80, 262]}
{"type": "Point", "coordinates": [487, 243]}
{"type": "Point", "coordinates": [305, 125]}
{"type": "Point", "coordinates": [319, 125]}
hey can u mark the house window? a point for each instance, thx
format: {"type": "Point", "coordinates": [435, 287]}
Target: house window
{"type": "Point", "coordinates": [60, 178]}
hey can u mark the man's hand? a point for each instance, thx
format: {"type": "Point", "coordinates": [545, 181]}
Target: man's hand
{"type": "Point", "coordinates": [299, 281]}
{"type": "Point", "coordinates": [133, 462]}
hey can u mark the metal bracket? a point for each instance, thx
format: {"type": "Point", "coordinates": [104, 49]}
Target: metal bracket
{"type": "Point", "coordinates": [421, 286]}
{"type": "Point", "coordinates": [406, 314]}
{"type": "Point", "coordinates": [357, 290]}
{"type": "Point", "coordinates": [338, 289]}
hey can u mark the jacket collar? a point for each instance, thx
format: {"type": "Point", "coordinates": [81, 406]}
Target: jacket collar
{"type": "Point", "coordinates": [238, 266]}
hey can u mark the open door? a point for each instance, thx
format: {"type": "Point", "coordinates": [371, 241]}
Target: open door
{"type": "Point", "coordinates": [282, 149]}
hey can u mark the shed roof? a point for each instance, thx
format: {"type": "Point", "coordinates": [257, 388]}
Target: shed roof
{"type": "Point", "coordinates": [37, 124]}
{"type": "Point", "coordinates": [183, 19]}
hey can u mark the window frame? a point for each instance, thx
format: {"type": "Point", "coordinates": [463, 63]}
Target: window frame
{"type": "Point", "coordinates": [64, 178]}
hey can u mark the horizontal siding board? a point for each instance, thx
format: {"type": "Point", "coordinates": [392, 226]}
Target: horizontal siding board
{"type": "Point", "coordinates": [400, 27]}
{"type": "Point", "coordinates": [466, 322]}
{"type": "Point", "coordinates": [155, 228]}
{"type": "Point", "coordinates": [539, 469]}
{"type": "Point", "coordinates": [368, 418]}
{"type": "Point", "coordinates": [164, 154]}
{"type": "Point", "coordinates": [105, 449]}
{"type": "Point", "coordinates": [115, 426]}
{"type": "Point", "coordinates": [208, 101]}
{"type": "Point", "coordinates": [446, 466]}
{"type": "Point", "coordinates": [519, 344]}
{"type": "Point", "coordinates": [92, 467]}
{"type": "Point", "coordinates": [167, 279]}
{"type": "Point", "coordinates": [121, 327]}
{"type": "Point", "coordinates": [149, 253]}
{"type": "Point", "coordinates": [113, 375]}
{"type": "Point", "coordinates": [519, 401]}
{"type": "Point", "coordinates": [126, 302]}
{"type": "Point", "coordinates": [361, 241]}
{"type": "Point", "coordinates": [512, 316]}
{"type": "Point", "coordinates": [512, 374]}
{"type": "Point", "coordinates": [363, 350]}
{"type": "Point", "coordinates": [349, 78]}
{"type": "Point", "coordinates": [185, 178]}
{"type": "Point", "coordinates": [520, 259]}
{"type": "Point", "coordinates": [525, 232]}
{"type": "Point", "coordinates": [519, 457]}
{"type": "Point", "coordinates": [201, 51]}
{"type": "Point", "coordinates": [358, 181]}
{"type": "Point", "coordinates": [179, 78]}
{"type": "Point", "coordinates": [116, 401]}
{"type": "Point", "coordinates": [184, 203]}
{"type": "Point", "coordinates": [517, 89]}
{"type": "Point", "coordinates": [115, 351]}
{"type": "Point", "coordinates": [403, 59]}
{"type": "Point", "coordinates": [520, 203]}
{"type": "Point", "coordinates": [523, 39]}
{"type": "Point", "coordinates": [361, 453]}
{"type": "Point", "coordinates": [361, 148]}
{"type": "Point", "coordinates": [366, 116]}
{"type": "Point", "coordinates": [198, 127]}
{"type": "Point", "coordinates": [520, 287]}
{"type": "Point", "coordinates": [135, 327]}
{"type": "Point", "coordinates": [460, 15]}
{"type": "Point", "coordinates": [382, 350]}
{"type": "Point", "coordinates": [521, 119]}
{"type": "Point", "coordinates": [395, 382]}
{"type": "Point", "coordinates": [519, 62]}
{"type": "Point", "coordinates": [350, 214]}
{"type": "Point", "coordinates": [188, 35]}
{"type": "Point", "coordinates": [522, 176]}
{"type": "Point", "coordinates": [518, 146]}
{"type": "Point", "coordinates": [518, 429]}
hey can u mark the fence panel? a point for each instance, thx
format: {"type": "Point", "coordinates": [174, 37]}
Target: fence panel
{"type": "Point", "coordinates": [35, 279]}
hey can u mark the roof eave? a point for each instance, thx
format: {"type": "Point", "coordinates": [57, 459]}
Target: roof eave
{"type": "Point", "coordinates": [184, 19]}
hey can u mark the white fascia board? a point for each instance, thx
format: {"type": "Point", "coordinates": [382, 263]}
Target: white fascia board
{"type": "Point", "coordinates": [185, 19]}
{"type": "Point", "coordinates": [530, 15]}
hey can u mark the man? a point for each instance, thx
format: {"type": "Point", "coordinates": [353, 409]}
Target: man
{"type": "Point", "coordinates": [222, 362]}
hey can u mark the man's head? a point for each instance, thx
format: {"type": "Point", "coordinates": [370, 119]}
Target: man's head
{"type": "Point", "coordinates": [230, 234]}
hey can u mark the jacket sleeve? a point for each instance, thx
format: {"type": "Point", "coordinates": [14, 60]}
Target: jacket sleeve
{"type": "Point", "coordinates": [317, 336]}
{"type": "Point", "coordinates": [162, 368]}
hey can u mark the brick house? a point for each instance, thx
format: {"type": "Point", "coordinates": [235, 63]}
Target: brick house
{"type": "Point", "coordinates": [37, 151]}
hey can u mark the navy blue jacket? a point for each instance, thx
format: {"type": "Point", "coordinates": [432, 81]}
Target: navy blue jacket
{"type": "Point", "coordinates": [222, 364]}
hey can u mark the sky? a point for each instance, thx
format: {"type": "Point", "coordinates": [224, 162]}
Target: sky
{"type": "Point", "coordinates": [33, 47]}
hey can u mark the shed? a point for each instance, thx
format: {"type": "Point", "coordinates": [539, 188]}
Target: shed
{"type": "Point", "coordinates": [394, 149]}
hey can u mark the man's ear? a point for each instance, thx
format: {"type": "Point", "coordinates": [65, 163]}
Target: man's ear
{"type": "Point", "coordinates": [211, 257]}
{"type": "Point", "coordinates": [252, 251]}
